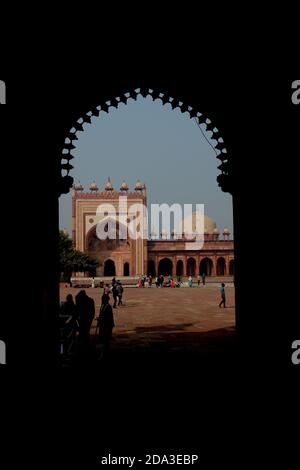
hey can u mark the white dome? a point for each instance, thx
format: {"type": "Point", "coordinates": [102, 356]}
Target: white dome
{"type": "Point", "coordinates": [194, 221]}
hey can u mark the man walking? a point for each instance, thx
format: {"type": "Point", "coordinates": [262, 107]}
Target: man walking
{"type": "Point", "coordinates": [223, 297]}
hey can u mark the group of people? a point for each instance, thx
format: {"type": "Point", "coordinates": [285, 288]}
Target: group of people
{"type": "Point", "coordinates": [82, 312]}
{"type": "Point", "coordinates": [145, 281]}
{"type": "Point", "coordinates": [116, 289]}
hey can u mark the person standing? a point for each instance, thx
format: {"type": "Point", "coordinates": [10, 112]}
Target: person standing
{"type": "Point", "coordinates": [120, 291]}
{"type": "Point", "coordinates": [199, 280]}
{"type": "Point", "coordinates": [190, 281]}
{"type": "Point", "coordinates": [106, 289]}
{"type": "Point", "coordinates": [86, 312]}
{"type": "Point", "coordinates": [223, 296]}
{"type": "Point", "coordinates": [105, 322]}
{"type": "Point", "coordinates": [115, 294]}
{"type": "Point", "coordinates": [203, 278]}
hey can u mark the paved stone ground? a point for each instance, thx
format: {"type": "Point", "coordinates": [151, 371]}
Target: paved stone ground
{"type": "Point", "coordinates": [169, 320]}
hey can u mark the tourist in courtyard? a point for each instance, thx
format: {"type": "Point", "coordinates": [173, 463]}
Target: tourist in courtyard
{"type": "Point", "coordinates": [93, 282]}
{"type": "Point", "coordinates": [115, 293]}
{"type": "Point", "coordinates": [172, 283]}
{"type": "Point", "coordinates": [120, 291]}
{"type": "Point", "coordinates": [190, 281]}
{"type": "Point", "coordinates": [150, 280]}
{"type": "Point", "coordinates": [199, 280]}
{"type": "Point", "coordinates": [203, 278]}
{"type": "Point", "coordinates": [69, 308]}
{"type": "Point", "coordinates": [223, 296]}
{"type": "Point", "coordinates": [106, 323]}
{"type": "Point", "coordinates": [86, 313]}
{"type": "Point", "coordinates": [106, 289]}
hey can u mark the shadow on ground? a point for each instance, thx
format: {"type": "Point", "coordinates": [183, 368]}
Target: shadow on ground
{"type": "Point", "coordinates": [161, 348]}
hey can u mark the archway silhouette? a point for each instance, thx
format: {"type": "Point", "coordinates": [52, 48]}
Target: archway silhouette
{"type": "Point", "coordinates": [179, 268]}
{"type": "Point", "coordinates": [221, 267]}
{"type": "Point", "coordinates": [206, 267]}
{"type": "Point", "coordinates": [151, 268]}
{"type": "Point", "coordinates": [109, 268]}
{"type": "Point", "coordinates": [126, 270]}
{"type": "Point", "coordinates": [165, 267]}
{"type": "Point", "coordinates": [216, 140]}
{"type": "Point", "coordinates": [191, 267]}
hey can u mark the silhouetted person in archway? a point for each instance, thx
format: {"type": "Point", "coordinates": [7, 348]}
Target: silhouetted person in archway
{"type": "Point", "coordinates": [223, 296]}
{"type": "Point", "coordinates": [203, 278]}
{"type": "Point", "coordinates": [86, 312]}
{"type": "Point", "coordinates": [69, 307]}
{"type": "Point", "coordinates": [106, 322]}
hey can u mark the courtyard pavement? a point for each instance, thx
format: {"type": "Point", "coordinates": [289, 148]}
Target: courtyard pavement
{"type": "Point", "coordinates": [163, 320]}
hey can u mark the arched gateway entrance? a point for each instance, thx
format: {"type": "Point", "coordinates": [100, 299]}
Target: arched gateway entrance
{"type": "Point", "coordinates": [109, 268]}
{"type": "Point", "coordinates": [165, 267]}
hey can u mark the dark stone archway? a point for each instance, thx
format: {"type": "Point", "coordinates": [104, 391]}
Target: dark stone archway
{"type": "Point", "coordinates": [60, 107]}
{"type": "Point", "coordinates": [179, 268]}
{"type": "Point", "coordinates": [191, 267]}
{"type": "Point", "coordinates": [221, 267]}
{"type": "Point", "coordinates": [151, 268]}
{"type": "Point", "coordinates": [165, 267]}
{"type": "Point", "coordinates": [109, 268]}
{"type": "Point", "coordinates": [206, 267]}
{"type": "Point", "coordinates": [126, 269]}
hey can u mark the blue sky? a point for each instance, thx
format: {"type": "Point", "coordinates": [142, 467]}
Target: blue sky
{"type": "Point", "coordinates": [162, 147]}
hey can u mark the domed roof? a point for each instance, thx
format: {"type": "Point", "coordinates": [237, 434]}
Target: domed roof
{"type": "Point", "coordinates": [226, 231]}
{"type": "Point", "coordinates": [108, 186]}
{"type": "Point", "coordinates": [78, 186]}
{"type": "Point", "coordinates": [139, 185]}
{"type": "Point", "coordinates": [216, 231]}
{"type": "Point", "coordinates": [93, 186]}
{"type": "Point", "coordinates": [124, 186]}
{"type": "Point", "coordinates": [193, 221]}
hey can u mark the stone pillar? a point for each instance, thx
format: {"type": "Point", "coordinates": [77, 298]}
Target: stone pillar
{"type": "Point", "coordinates": [197, 269]}
{"type": "Point", "coordinates": [214, 266]}
{"type": "Point", "coordinates": [184, 265]}
{"type": "Point", "coordinates": [173, 266]}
